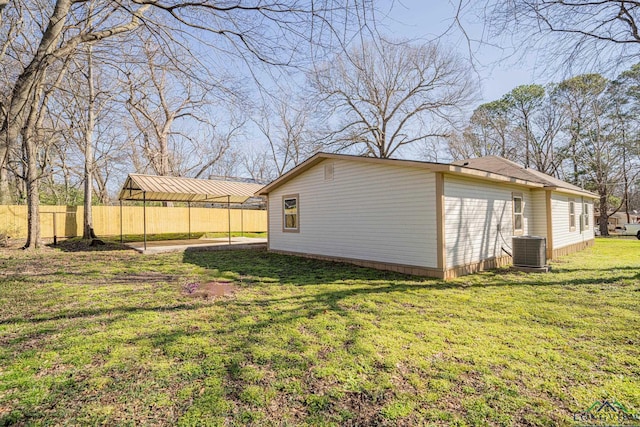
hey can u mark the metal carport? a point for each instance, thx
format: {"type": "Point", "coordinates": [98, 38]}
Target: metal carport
{"type": "Point", "coordinates": [154, 188]}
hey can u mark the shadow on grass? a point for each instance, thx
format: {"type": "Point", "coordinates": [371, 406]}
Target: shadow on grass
{"type": "Point", "coordinates": [243, 336]}
{"type": "Point", "coordinates": [95, 312]}
{"type": "Point", "coordinates": [79, 245]}
{"type": "Point", "coordinates": [260, 265]}
{"type": "Point", "coordinates": [334, 293]}
{"type": "Point", "coordinates": [299, 271]}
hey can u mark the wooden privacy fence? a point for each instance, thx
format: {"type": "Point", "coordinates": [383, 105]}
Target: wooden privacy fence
{"type": "Point", "coordinates": [67, 220]}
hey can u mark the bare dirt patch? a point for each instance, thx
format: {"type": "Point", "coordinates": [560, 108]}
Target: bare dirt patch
{"type": "Point", "coordinates": [209, 290]}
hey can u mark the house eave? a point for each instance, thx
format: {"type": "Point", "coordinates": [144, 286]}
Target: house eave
{"type": "Point", "coordinates": [432, 167]}
{"type": "Point", "coordinates": [489, 176]}
{"type": "Point", "coordinates": [583, 193]}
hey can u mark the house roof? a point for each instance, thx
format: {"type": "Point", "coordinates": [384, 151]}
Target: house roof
{"type": "Point", "coordinates": [506, 167]}
{"type": "Point", "coordinates": [178, 189]}
{"type": "Point", "coordinates": [492, 169]}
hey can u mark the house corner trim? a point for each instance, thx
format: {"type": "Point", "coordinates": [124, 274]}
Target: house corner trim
{"type": "Point", "coordinates": [441, 245]}
{"type": "Point", "coordinates": [549, 207]}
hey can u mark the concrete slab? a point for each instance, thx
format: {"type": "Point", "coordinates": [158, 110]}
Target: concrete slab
{"type": "Point", "coordinates": [526, 269]}
{"type": "Point", "coordinates": [161, 246]}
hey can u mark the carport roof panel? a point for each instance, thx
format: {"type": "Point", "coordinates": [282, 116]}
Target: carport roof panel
{"type": "Point", "coordinates": [178, 189]}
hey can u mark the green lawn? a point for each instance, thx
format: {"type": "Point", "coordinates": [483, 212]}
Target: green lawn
{"type": "Point", "coordinates": [113, 337]}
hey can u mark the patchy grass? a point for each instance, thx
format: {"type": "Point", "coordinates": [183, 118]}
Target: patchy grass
{"type": "Point", "coordinates": [114, 337]}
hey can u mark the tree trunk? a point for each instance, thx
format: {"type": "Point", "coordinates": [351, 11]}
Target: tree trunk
{"type": "Point", "coordinates": [20, 106]}
{"type": "Point", "coordinates": [5, 198]}
{"type": "Point", "coordinates": [164, 159]}
{"type": "Point", "coordinates": [24, 99]}
{"type": "Point", "coordinates": [87, 232]}
{"type": "Point", "coordinates": [626, 181]}
{"type": "Point", "coordinates": [33, 194]}
{"type": "Point", "coordinates": [576, 172]}
{"type": "Point", "coordinates": [88, 191]}
{"type": "Point", "coordinates": [604, 215]}
{"type": "Point", "coordinates": [526, 141]}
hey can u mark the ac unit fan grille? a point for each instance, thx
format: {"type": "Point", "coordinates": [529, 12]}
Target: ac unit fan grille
{"type": "Point", "coordinates": [529, 251]}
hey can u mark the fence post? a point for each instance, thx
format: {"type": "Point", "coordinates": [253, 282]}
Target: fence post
{"type": "Point", "coordinates": [55, 233]}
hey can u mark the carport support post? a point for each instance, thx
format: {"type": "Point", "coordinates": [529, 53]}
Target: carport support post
{"type": "Point", "coordinates": [144, 217]}
{"type": "Point", "coordinates": [242, 220]}
{"type": "Point", "coordinates": [189, 206]}
{"type": "Point", "coordinates": [229, 216]}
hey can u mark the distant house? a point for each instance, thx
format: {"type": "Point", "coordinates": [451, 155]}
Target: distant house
{"type": "Point", "coordinates": [431, 219]}
{"type": "Point", "coordinates": [617, 219]}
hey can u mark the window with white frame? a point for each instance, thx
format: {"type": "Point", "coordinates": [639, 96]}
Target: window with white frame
{"type": "Point", "coordinates": [572, 215]}
{"type": "Point", "coordinates": [587, 216]}
{"type": "Point", "coordinates": [290, 213]}
{"type": "Point", "coordinates": [518, 213]}
{"type": "Point", "coordinates": [585, 213]}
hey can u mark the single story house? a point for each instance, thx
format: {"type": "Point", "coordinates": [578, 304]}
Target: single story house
{"type": "Point", "coordinates": [422, 218]}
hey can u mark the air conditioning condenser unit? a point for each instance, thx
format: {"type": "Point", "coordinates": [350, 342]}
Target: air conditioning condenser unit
{"type": "Point", "coordinates": [530, 252]}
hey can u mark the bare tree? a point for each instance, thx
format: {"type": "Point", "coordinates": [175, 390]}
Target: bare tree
{"type": "Point", "coordinates": [603, 159]}
{"type": "Point", "coordinates": [388, 95]}
{"type": "Point", "coordinates": [285, 124]}
{"type": "Point", "coordinates": [576, 96]}
{"type": "Point", "coordinates": [204, 156]}
{"type": "Point", "coordinates": [159, 96]}
{"type": "Point", "coordinates": [271, 32]}
{"type": "Point", "coordinates": [89, 156]}
{"type": "Point", "coordinates": [625, 109]}
{"type": "Point", "coordinates": [523, 103]}
{"type": "Point", "coordinates": [257, 164]}
{"type": "Point", "coordinates": [523, 126]}
{"type": "Point", "coordinates": [487, 134]}
{"type": "Point", "coordinates": [574, 34]}
{"type": "Point", "coordinates": [91, 109]}
{"type": "Point", "coordinates": [227, 166]}
{"type": "Point", "coordinates": [11, 23]}
{"type": "Point", "coordinates": [549, 123]}
{"type": "Point", "coordinates": [598, 138]}
{"type": "Point", "coordinates": [23, 107]}
{"type": "Point", "coordinates": [33, 136]}
{"type": "Point", "coordinates": [177, 132]}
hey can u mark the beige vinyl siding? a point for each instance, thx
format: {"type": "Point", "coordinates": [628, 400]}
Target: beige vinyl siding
{"type": "Point", "coordinates": [473, 210]}
{"type": "Point", "coordinates": [562, 234]}
{"type": "Point", "coordinates": [538, 220]}
{"type": "Point", "coordinates": [365, 211]}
